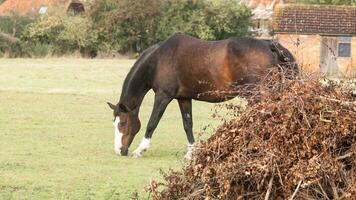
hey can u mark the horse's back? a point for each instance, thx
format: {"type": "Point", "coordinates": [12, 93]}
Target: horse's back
{"type": "Point", "coordinates": [192, 65]}
{"type": "Point", "coordinates": [187, 66]}
{"type": "Point", "coordinates": [218, 62]}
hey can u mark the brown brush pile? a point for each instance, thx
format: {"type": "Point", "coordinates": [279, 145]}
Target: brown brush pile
{"type": "Point", "coordinates": [298, 141]}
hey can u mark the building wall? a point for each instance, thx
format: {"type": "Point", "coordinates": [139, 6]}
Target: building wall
{"type": "Point", "coordinates": [353, 57]}
{"type": "Point", "coordinates": [307, 51]}
{"type": "Point", "coordinates": [347, 66]}
{"type": "Point", "coordinates": [305, 48]}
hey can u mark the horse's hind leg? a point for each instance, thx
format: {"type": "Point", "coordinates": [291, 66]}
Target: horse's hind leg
{"type": "Point", "coordinates": [185, 106]}
{"type": "Point", "coordinates": [160, 104]}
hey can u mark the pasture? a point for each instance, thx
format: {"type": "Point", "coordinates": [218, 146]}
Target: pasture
{"type": "Point", "coordinates": [56, 132]}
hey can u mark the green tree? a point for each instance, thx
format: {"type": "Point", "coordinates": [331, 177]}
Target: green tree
{"type": "Point", "coordinates": [11, 29]}
{"type": "Point", "coordinates": [227, 18]}
{"type": "Point", "coordinates": [206, 19]}
{"type": "Point", "coordinates": [184, 16]}
{"type": "Point", "coordinates": [64, 33]}
{"type": "Point", "coordinates": [133, 25]}
{"type": "Point", "coordinates": [125, 25]}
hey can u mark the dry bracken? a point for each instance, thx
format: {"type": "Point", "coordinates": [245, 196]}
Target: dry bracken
{"type": "Point", "coordinates": [295, 140]}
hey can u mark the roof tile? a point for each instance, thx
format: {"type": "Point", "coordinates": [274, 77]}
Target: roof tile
{"type": "Point", "coordinates": [27, 7]}
{"type": "Point", "coordinates": [315, 19]}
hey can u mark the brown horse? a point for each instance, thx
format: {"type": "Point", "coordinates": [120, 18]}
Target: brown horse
{"type": "Point", "coordinates": [185, 68]}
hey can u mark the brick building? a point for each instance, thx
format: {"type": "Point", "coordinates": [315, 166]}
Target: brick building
{"type": "Point", "coordinates": [322, 38]}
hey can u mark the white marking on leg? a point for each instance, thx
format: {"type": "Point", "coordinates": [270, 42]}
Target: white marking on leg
{"type": "Point", "coordinates": [118, 137]}
{"type": "Point", "coordinates": [145, 143]}
{"type": "Point", "coordinates": [191, 148]}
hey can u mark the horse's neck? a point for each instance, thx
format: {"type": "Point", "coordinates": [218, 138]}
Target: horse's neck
{"type": "Point", "coordinates": [136, 83]}
{"type": "Point", "coordinates": [133, 91]}
{"type": "Point", "coordinates": [135, 86]}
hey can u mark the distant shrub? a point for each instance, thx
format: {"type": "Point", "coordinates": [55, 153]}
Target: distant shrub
{"type": "Point", "coordinates": [128, 25]}
{"type": "Point", "coordinates": [125, 26]}
{"type": "Point", "coordinates": [63, 33]}
{"type": "Point", "coordinates": [13, 24]}
{"type": "Point", "coordinates": [12, 43]}
{"type": "Point", "coordinates": [38, 50]}
{"type": "Point", "coordinates": [211, 20]}
{"type": "Point", "coordinates": [184, 16]}
{"type": "Point", "coordinates": [11, 28]}
{"type": "Point", "coordinates": [227, 19]}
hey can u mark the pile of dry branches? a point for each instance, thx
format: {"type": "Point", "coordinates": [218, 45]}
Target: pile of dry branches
{"type": "Point", "coordinates": [295, 140]}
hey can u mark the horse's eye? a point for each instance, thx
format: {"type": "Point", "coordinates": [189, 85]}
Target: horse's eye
{"type": "Point", "coordinates": [122, 123]}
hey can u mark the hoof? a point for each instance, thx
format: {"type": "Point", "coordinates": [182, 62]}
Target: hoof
{"type": "Point", "coordinates": [188, 156]}
{"type": "Point", "coordinates": [136, 154]}
{"type": "Point", "coordinates": [118, 152]}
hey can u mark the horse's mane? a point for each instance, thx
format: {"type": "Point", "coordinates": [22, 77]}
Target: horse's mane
{"type": "Point", "coordinates": [142, 59]}
{"type": "Point", "coordinates": [145, 55]}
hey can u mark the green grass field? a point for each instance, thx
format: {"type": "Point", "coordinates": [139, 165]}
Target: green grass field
{"type": "Point", "coordinates": [56, 132]}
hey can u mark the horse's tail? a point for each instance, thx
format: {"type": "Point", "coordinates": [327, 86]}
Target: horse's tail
{"type": "Point", "coordinates": [285, 58]}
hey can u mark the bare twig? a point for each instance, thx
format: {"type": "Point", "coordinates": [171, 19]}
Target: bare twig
{"type": "Point", "coordinates": [343, 103]}
{"type": "Point", "coordinates": [196, 193]}
{"type": "Point", "coordinates": [279, 175]}
{"type": "Point", "coordinates": [334, 188]}
{"type": "Point", "coordinates": [323, 191]}
{"type": "Point", "coordinates": [345, 156]}
{"type": "Point", "coordinates": [270, 183]}
{"type": "Point", "coordinates": [296, 190]}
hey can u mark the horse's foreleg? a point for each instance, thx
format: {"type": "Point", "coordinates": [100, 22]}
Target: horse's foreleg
{"type": "Point", "coordinates": [160, 104]}
{"type": "Point", "coordinates": [185, 106]}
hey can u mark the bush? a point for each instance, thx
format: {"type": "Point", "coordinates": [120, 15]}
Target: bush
{"type": "Point", "coordinates": [134, 25]}
{"type": "Point", "coordinates": [184, 16]}
{"type": "Point", "coordinates": [32, 37]}
{"type": "Point", "coordinates": [228, 19]}
{"type": "Point", "coordinates": [11, 28]}
{"type": "Point", "coordinates": [125, 26]}
{"type": "Point", "coordinates": [64, 33]}
{"type": "Point", "coordinates": [210, 20]}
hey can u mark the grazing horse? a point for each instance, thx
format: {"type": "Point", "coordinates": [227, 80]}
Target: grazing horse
{"type": "Point", "coordinates": [185, 68]}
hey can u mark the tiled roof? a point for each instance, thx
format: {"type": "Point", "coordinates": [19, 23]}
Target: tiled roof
{"type": "Point", "coordinates": [315, 19]}
{"type": "Point", "coordinates": [27, 7]}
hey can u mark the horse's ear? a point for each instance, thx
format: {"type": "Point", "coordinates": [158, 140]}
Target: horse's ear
{"type": "Point", "coordinates": [112, 106]}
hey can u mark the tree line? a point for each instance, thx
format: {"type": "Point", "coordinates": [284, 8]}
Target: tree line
{"type": "Point", "coordinates": [125, 26]}
{"type": "Point", "coordinates": [122, 26]}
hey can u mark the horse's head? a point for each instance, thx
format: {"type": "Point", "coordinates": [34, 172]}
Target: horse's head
{"type": "Point", "coordinates": [126, 125]}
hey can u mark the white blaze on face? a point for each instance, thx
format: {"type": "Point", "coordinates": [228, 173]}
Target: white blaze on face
{"type": "Point", "coordinates": [118, 137]}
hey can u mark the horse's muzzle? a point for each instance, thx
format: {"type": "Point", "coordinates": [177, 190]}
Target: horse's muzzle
{"type": "Point", "coordinates": [124, 151]}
